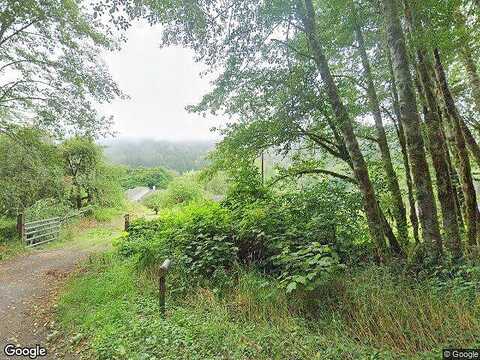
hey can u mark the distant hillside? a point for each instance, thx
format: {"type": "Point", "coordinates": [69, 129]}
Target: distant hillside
{"type": "Point", "coordinates": [179, 156]}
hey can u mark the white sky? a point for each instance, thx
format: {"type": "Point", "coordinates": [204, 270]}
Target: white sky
{"type": "Point", "coordinates": [160, 82]}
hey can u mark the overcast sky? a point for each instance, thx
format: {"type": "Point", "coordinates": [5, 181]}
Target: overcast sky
{"type": "Point", "coordinates": [160, 82]}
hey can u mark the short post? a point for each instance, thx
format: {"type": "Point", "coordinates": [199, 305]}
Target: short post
{"type": "Point", "coordinates": [127, 222]}
{"type": "Point", "coordinates": [21, 225]}
{"type": "Point", "coordinates": [162, 287]}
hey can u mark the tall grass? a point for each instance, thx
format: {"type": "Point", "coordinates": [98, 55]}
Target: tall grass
{"type": "Point", "coordinates": [388, 311]}
{"type": "Point", "coordinates": [243, 315]}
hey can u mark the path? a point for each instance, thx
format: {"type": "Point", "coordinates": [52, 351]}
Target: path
{"type": "Point", "coordinates": [137, 193]}
{"type": "Point", "coordinates": [28, 283]}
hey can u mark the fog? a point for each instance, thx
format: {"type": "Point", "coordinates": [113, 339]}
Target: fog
{"type": "Point", "coordinates": [160, 82]}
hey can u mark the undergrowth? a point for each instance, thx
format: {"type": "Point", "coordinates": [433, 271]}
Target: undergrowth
{"type": "Point", "coordinates": [372, 314]}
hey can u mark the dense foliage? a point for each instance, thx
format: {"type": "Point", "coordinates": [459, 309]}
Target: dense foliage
{"type": "Point", "coordinates": [30, 169]}
{"type": "Point", "coordinates": [181, 191]}
{"type": "Point", "coordinates": [43, 179]}
{"type": "Point", "coordinates": [51, 73]}
{"type": "Point", "coordinates": [156, 177]}
{"type": "Point", "coordinates": [297, 237]}
{"type": "Point", "coordinates": [364, 93]}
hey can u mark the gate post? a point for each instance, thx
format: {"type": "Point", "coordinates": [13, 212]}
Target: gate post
{"type": "Point", "coordinates": [162, 275]}
{"type": "Point", "coordinates": [21, 226]}
{"type": "Point", "coordinates": [127, 222]}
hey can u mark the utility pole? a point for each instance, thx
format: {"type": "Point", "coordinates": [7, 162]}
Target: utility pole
{"type": "Point", "coordinates": [262, 159]}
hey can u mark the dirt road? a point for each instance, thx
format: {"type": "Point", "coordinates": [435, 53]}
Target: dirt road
{"type": "Point", "coordinates": [29, 283]}
{"type": "Point", "coordinates": [26, 285]}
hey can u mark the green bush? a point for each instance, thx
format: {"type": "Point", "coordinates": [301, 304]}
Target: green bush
{"type": "Point", "coordinates": [108, 190]}
{"type": "Point", "coordinates": [30, 169]}
{"type": "Point", "coordinates": [47, 208]}
{"type": "Point", "coordinates": [155, 200]}
{"type": "Point", "coordinates": [181, 191]}
{"type": "Point", "coordinates": [8, 229]}
{"type": "Point", "coordinates": [275, 233]}
{"type": "Point", "coordinates": [198, 236]}
{"type": "Point", "coordinates": [305, 266]}
{"type": "Point", "coordinates": [204, 254]}
{"type": "Point", "coordinates": [149, 177]}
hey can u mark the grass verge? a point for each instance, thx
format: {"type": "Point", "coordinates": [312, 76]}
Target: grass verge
{"type": "Point", "coordinates": [112, 312]}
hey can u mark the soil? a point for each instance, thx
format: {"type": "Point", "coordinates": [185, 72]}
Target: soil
{"type": "Point", "coordinates": [29, 285]}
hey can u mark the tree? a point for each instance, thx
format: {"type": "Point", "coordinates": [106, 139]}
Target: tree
{"type": "Point", "coordinates": [50, 70]}
{"type": "Point", "coordinates": [30, 169]}
{"type": "Point", "coordinates": [394, 187]}
{"type": "Point", "coordinates": [81, 159]}
{"type": "Point", "coordinates": [436, 138]}
{"type": "Point", "coordinates": [411, 124]}
{"type": "Point", "coordinates": [307, 14]}
{"type": "Point", "coordinates": [464, 160]}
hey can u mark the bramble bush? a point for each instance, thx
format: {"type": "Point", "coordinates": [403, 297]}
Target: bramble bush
{"type": "Point", "coordinates": [305, 266]}
{"type": "Point", "coordinates": [198, 236]}
{"type": "Point", "coordinates": [293, 236]}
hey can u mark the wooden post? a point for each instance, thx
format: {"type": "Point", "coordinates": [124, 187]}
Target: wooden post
{"type": "Point", "coordinates": [21, 225]}
{"type": "Point", "coordinates": [263, 167]}
{"type": "Point", "coordinates": [127, 222]}
{"type": "Point", "coordinates": [162, 287]}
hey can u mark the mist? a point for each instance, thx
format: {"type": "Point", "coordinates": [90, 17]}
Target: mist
{"type": "Point", "coordinates": [161, 82]}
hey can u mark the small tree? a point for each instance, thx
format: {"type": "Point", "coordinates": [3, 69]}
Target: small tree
{"type": "Point", "coordinates": [81, 157]}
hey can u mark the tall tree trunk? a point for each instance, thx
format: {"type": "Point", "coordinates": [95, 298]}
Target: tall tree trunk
{"type": "Point", "coordinates": [393, 186]}
{"type": "Point", "coordinates": [464, 163]}
{"type": "Point", "coordinates": [454, 165]}
{"type": "Point", "coordinates": [437, 143]}
{"type": "Point", "coordinates": [472, 144]}
{"type": "Point", "coordinates": [473, 77]}
{"type": "Point", "coordinates": [78, 197]}
{"type": "Point", "coordinates": [411, 122]}
{"type": "Point", "coordinates": [472, 71]}
{"type": "Point", "coordinates": [439, 154]}
{"type": "Point", "coordinates": [403, 146]}
{"type": "Point", "coordinates": [374, 219]}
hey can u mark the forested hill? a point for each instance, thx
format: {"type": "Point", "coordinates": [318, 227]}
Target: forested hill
{"type": "Point", "coordinates": [180, 156]}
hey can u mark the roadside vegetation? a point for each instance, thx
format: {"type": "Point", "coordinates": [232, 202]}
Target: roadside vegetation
{"type": "Point", "coordinates": [43, 179]}
{"type": "Point", "coordinates": [266, 275]}
{"type": "Point", "coordinates": [337, 217]}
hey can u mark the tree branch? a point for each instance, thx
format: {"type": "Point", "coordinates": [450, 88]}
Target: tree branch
{"type": "Point", "coordinates": [18, 31]}
{"type": "Point", "coordinates": [299, 173]}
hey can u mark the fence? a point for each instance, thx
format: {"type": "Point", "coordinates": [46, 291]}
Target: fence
{"type": "Point", "coordinates": [38, 232]}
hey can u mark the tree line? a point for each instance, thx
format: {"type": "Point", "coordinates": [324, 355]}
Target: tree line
{"type": "Point", "coordinates": [179, 156]}
{"type": "Point", "coordinates": [357, 90]}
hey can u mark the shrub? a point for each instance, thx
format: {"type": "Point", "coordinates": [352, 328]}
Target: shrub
{"type": "Point", "coordinates": [150, 177]}
{"type": "Point", "coordinates": [325, 212]}
{"type": "Point", "coordinates": [305, 266]}
{"type": "Point", "coordinates": [47, 208]}
{"type": "Point", "coordinates": [206, 253]}
{"type": "Point", "coordinates": [155, 200]}
{"type": "Point", "coordinates": [8, 229]}
{"type": "Point", "coordinates": [198, 236]}
{"type": "Point", "coordinates": [108, 190]}
{"type": "Point", "coordinates": [181, 191]}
